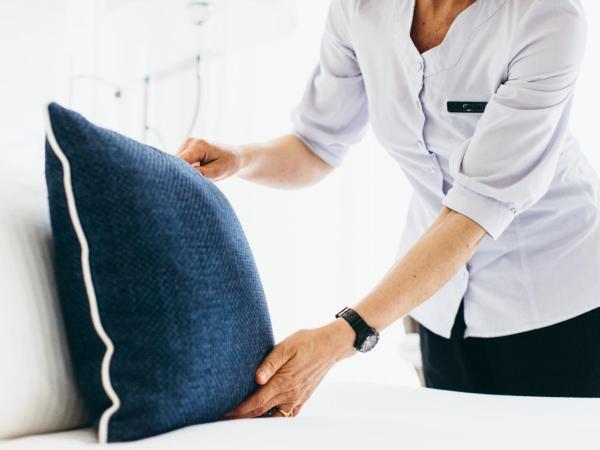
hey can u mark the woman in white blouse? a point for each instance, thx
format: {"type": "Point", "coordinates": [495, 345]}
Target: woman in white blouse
{"type": "Point", "coordinates": [500, 257]}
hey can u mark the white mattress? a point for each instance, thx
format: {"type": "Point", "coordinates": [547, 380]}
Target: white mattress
{"type": "Point", "coordinates": [363, 416]}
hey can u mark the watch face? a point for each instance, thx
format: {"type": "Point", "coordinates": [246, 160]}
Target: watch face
{"type": "Point", "coordinates": [369, 342]}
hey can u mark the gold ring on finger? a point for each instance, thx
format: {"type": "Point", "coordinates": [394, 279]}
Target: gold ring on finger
{"type": "Point", "coordinates": [285, 413]}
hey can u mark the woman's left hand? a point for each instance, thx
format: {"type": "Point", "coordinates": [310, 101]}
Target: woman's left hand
{"type": "Point", "coordinates": [292, 371]}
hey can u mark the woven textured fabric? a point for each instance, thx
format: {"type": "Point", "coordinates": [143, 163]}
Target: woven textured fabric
{"type": "Point", "coordinates": [150, 260]}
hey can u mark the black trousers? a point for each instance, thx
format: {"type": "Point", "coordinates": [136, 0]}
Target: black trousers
{"type": "Point", "coordinates": [561, 360]}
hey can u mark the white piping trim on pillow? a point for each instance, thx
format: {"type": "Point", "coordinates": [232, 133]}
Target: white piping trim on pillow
{"type": "Point", "coordinates": [89, 285]}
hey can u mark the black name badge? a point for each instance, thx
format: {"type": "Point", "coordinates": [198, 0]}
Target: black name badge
{"type": "Point", "coordinates": [466, 107]}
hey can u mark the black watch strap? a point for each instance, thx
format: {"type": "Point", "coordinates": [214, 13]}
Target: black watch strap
{"type": "Point", "coordinates": [360, 327]}
{"type": "Point", "coordinates": [354, 319]}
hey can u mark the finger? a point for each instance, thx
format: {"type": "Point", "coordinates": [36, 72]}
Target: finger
{"type": "Point", "coordinates": [298, 409]}
{"type": "Point", "coordinates": [193, 153]}
{"type": "Point", "coordinates": [287, 407]}
{"type": "Point", "coordinates": [183, 146]}
{"type": "Point", "coordinates": [272, 363]}
{"type": "Point", "coordinates": [210, 170]}
{"type": "Point", "coordinates": [288, 399]}
{"type": "Point", "coordinates": [196, 151]}
{"type": "Point", "coordinates": [261, 400]}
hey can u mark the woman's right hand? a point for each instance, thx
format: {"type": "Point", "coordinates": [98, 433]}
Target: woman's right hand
{"type": "Point", "coordinates": [212, 161]}
{"type": "Point", "coordinates": [285, 163]}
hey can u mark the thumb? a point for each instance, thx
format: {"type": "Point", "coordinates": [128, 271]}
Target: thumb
{"type": "Point", "coordinates": [213, 170]}
{"type": "Point", "coordinates": [184, 146]}
{"type": "Point", "coordinates": [271, 364]}
{"type": "Point", "coordinates": [197, 150]}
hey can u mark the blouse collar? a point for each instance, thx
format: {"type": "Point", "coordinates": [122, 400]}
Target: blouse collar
{"type": "Point", "coordinates": [448, 53]}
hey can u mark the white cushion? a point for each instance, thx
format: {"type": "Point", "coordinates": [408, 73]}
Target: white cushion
{"type": "Point", "coordinates": [353, 416]}
{"type": "Point", "coordinates": [36, 387]}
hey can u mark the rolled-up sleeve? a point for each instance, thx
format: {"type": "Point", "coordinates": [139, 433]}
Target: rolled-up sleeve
{"type": "Point", "coordinates": [333, 113]}
{"type": "Point", "coordinates": [511, 159]}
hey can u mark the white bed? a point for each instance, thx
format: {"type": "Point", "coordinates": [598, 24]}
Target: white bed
{"type": "Point", "coordinates": [38, 394]}
{"type": "Point", "coordinates": [361, 416]}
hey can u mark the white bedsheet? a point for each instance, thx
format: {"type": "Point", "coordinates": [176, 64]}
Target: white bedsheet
{"type": "Point", "coordinates": [363, 416]}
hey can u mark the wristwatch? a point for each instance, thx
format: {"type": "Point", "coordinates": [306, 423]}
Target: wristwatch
{"type": "Point", "coordinates": [366, 336]}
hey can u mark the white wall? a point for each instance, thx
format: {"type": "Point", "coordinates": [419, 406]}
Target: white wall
{"type": "Point", "coordinates": [34, 54]}
{"type": "Point", "coordinates": [318, 249]}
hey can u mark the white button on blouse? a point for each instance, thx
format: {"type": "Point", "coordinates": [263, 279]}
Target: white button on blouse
{"type": "Point", "coordinates": [486, 114]}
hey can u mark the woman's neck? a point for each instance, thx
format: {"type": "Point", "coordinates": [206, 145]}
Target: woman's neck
{"type": "Point", "coordinates": [432, 20]}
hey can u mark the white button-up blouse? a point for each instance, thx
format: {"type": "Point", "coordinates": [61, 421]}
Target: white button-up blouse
{"type": "Point", "coordinates": [479, 124]}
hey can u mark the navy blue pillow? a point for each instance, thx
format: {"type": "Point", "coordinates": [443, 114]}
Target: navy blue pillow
{"type": "Point", "coordinates": [164, 310]}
